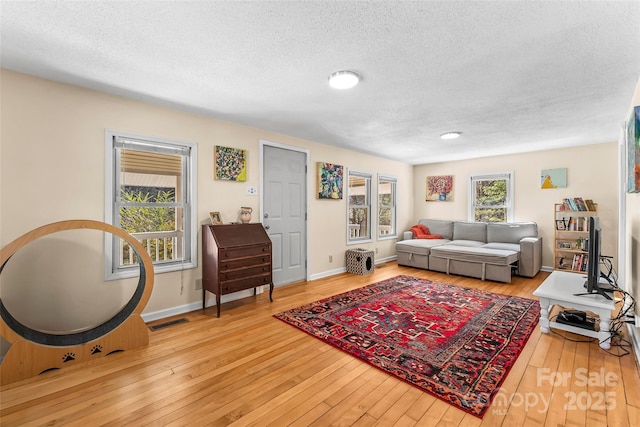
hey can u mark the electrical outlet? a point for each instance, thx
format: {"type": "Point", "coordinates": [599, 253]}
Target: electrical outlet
{"type": "Point", "coordinates": [637, 320]}
{"type": "Point", "coordinates": [330, 258]}
{"type": "Point", "coordinates": [376, 250]}
{"type": "Point", "coordinates": [251, 190]}
{"type": "Point", "coordinates": [198, 284]}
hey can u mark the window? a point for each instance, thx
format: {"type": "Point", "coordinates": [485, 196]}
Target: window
{"type": "Point", "coordinates": [150, 189]}
{"type": "Point", "coordinates": [491, 197]}
{"type": "Point", "coordinates": [359, 207]}
{"type": "Point", "coordinates": [386, 207]}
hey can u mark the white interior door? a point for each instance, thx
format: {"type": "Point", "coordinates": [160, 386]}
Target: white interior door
{"type": "Point", "coordinates": [284, 211]}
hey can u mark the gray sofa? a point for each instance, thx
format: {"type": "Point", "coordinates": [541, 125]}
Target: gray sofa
{"type": "Point", "coordinates": [488, 251]}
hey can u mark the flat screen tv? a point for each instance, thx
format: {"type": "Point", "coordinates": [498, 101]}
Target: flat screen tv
{"type": "Point", "coordinates": [592, 283]}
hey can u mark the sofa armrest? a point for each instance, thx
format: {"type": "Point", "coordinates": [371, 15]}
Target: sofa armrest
{"type": "Point", "coordinates": [407, 235]}
{"type": "Point", "coordinates": [530, 256]}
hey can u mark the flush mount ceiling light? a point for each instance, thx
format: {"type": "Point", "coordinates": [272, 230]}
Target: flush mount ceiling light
{"type": "Point", "coordinates": [343, 79]}
{"type": "Point", "coordinates": [450, 135]}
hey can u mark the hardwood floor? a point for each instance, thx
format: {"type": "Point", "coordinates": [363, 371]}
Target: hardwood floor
{"type": "Point", "coordinates": [248, 368]}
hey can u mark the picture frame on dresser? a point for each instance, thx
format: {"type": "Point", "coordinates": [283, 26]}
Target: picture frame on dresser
{"type": "Point", "coordinates": [216, 218]}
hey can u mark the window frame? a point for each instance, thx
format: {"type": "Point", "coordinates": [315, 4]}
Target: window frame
{"type": "Point", "coordinates": [509, 206]}
{"type": "Point", "coordinates": [394, 193]}
{"type": "Point", "coordinates": [112, 268]}
{"type": "Point", "coordinates": [367, 176]}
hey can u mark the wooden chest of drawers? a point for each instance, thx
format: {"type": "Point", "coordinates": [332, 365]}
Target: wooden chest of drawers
{"type": "Point", "coordinates": [235, 257]}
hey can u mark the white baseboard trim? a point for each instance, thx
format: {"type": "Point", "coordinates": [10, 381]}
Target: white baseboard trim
{"type": "Point", "coordinates": [634, 333]}
{"type": "Point", "coordinates": [173, 311]}
{"type": "Point", "coordinates": [211, 301]}
{"type": "Point", "coordinates": [193, 306]}
{"type": "Point", "coordinates": [546, 268]}
{"type": "Point", "coordinates": [328, 273]}
{"type": "Point", "coordinates": [344, 269]}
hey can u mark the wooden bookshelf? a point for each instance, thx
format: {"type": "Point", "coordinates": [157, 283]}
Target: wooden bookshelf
{"type": "Point", "coordinates": [571, 234]}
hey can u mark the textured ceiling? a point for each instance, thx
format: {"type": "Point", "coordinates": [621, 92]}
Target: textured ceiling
{"type": "Point", "coordinates": [513, 76]}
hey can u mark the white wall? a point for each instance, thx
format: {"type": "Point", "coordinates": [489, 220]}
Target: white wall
{"type": "Point", "coordinates": [592, 173]}
{"type": "Point", "coordinates": [632, 218]}
{"type": "Point", "coordinates": [52, 169]}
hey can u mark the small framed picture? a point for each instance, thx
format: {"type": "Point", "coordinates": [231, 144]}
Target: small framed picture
{"type": "Point", "coordinates": [560, 225]}
{"type": "Point", "coordinates": [216, 218]}
{"type": "Point", "coordinates": [564, 245]}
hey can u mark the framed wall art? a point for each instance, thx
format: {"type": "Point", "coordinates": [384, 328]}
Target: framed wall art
{"type": "Point", "coordinates": [553, 178]}
{"type": "Point", "coordinates": [230, 164]}
{"type": "Point", "coordinates": [633, 151]}
{"type": "Point", "coordinates": [330, 180]}
{"type": "Point", "coordinates": [439, 188]}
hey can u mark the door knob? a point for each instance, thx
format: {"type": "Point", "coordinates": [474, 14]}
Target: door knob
{"type": "Point", "coordinates": [267, 227]}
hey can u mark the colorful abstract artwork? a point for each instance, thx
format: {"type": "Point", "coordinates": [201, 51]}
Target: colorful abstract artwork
{"type": "Point", "coordinates": [633, 151]}
{"type": "Point", "coordinates": [330, 178]}
{"type": "Point", "coordinates": [553, 178]}
{"type": "Point", "coordinates": [440, 188]}
{"type": "Point", "coordinates": [230, 164]}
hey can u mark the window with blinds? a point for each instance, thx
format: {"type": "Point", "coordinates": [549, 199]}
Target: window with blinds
{"type": "Point", "coordinates": [150, 189]}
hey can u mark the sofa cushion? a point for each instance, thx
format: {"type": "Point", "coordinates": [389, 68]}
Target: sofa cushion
{"type": "Point", "coordinates": [467, 243]}
{"type": "Point", "coordinates": [470, 231]}
{"type": "Point", "coordinates": [440, 227]}
{"type": "Point", "coordinates": [506, 246]}
{"type": "Point", "coordinates": [512, 232]}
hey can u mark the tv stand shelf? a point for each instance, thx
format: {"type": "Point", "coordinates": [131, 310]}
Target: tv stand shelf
{"type": "Point", "coordinates": [567, 290]}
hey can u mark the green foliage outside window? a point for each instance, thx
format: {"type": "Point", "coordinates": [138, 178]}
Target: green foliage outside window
{"type": "Point", "coordinates": [142, 219]}
{"type": "Point", "coordinates": [491, 201]}
{"type": "Point", "coordinates": [148, 219]}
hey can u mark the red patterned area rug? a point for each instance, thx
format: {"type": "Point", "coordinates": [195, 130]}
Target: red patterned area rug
{"type": "Point", "coordinates": [455, 343]}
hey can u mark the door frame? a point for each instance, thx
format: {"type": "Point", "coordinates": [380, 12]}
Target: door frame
{"type": "Point", "coordinates": [264, 143]}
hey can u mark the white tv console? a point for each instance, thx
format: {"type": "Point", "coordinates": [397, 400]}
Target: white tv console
{"type": "Point", "coordinates": [561, 288]}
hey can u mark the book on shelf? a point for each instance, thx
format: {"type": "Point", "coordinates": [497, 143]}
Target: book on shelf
{"type": "Point", "coordinates": [578, 204]}
{"type": "Point", "coordinates": [579, 262]}
{"type": "Point", "coordinates": [579, 223]}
